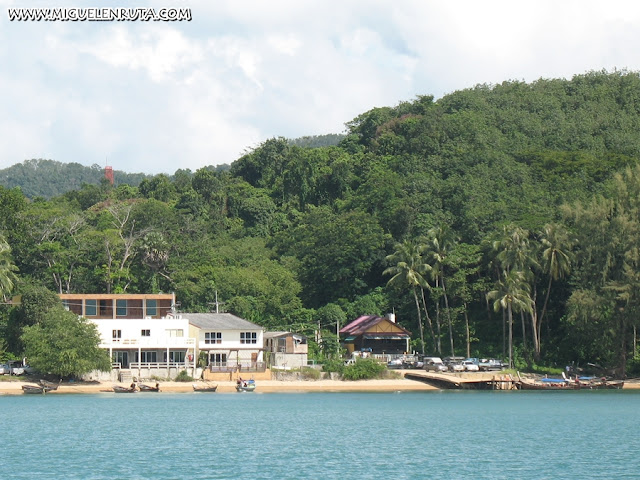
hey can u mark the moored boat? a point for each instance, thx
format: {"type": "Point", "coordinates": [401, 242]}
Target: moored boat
{"type": "Point", "coordinates": [49, 386]}
{"type": "Point", "coordinates": [545, 384]}
{"type": "Point", "coordinates": [130, 389]}
{"type": "Point", "coordinates": [204, 388]}
{"type": "Point", "coordinates": [564, 383]}
{"type": "Point", "coordinates": [149, 388]}
{"type": "Point", "coordinates": [33, 389]}
{"type": "Point", "coordinates": [245, 385]}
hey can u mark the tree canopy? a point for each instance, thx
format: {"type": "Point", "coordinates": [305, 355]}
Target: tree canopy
{"type": "Point", "coordinates": [524, 194]}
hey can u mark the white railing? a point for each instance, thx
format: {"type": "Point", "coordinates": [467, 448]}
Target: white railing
{"type": "Point", "coordinates": [150, 342]}
{"type": "Point", "coordinates": [161, 365]}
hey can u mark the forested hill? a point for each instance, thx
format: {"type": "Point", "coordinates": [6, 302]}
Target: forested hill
{"type": "Point", "coordinates": [50, 178]}
{"type": "Point", "coordinates": [500, 220]}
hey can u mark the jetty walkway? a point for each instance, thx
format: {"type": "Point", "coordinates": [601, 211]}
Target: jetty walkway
{"type": "Point", "coordinates": [465, 381]}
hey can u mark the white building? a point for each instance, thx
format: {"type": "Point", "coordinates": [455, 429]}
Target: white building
{"type": "Point", "coordinates": [230, 342]}
{"type": "Point", "coordinates": [145, 338]}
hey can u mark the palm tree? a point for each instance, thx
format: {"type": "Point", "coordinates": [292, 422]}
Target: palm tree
{"type": "Point", "coordinates": [7, 268]}
{"type": "Point", "coordinates": [440, 241]}
{"type": "Point", "coordinates": [409, 270]}
{"type": "Point", "coordinates": [557, 258]}
{"type": "Point", "coordinates": [513, 252]}
{"type": "Point", "coordinates": [511, 295]}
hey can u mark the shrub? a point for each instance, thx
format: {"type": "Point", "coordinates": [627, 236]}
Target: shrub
{"type": "Point", "coordinates": [363, 369]}
{"type": "Point", "coordinates": [183, 376]}
{"type": "Point", "coordinates": [333, 365]}
{"type": "Point", "coordinates": [309, 373]}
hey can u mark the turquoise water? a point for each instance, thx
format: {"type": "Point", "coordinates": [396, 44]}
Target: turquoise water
{"type": "Point", "coordinates": [417, 435]}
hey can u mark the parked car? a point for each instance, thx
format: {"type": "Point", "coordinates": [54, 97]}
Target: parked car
{"type": "Point", "coordinates": [5, 369]}
{"type": "Point", "coordinates": [395, 363]}
{"type": "Point", "coordinates": [491, 364]}
{"type": "Point", "coordinates": [456, 367]}
{"type": "Point", "coordinates": [17, 368]}
{"type": "Point", "coordinates": [434, 364]}
{"type": "Point", "coordinates": [470, 366]}
{"type": "Point", "coordinates": [454, 364]}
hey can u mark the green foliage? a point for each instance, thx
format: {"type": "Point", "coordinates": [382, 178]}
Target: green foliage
{"type": "Point", "coordinates": [310, 373]}
{"type": "Point", "coordinates": [64, 345]}
{"type": "Point", "coordinates": [526, 178]}
{"type": "Point", "coordinates": [183, 376]}
{"type": "Point", "coordinates": [333, 365]}
{"type": "Point", "coordinates": [363, 369]}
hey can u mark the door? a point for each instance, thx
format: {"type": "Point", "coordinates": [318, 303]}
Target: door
{"type": "Point", "coordinates": [122, 358]}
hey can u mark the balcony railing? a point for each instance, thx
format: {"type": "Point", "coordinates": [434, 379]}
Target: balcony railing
{"type": "Point", "coordinates": [232, 367]}
{"type": "Point", "coordinates": [151, 342]}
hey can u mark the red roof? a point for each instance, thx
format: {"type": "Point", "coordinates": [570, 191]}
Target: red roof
{"type": "Point", "coordinates": [361, 324]}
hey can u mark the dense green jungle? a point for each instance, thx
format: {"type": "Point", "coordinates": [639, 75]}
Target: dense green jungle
{"type": "Point", "coordinates": [497, 221]}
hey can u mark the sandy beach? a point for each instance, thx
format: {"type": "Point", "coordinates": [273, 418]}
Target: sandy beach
{"type": "Point", "coordinates": [14, 387]}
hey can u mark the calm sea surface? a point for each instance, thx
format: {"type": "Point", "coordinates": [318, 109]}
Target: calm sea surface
{"type": "Point", "coordinates": [418, 435]}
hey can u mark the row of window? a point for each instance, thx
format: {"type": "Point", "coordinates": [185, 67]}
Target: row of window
{"type": "Point", "coordinates": [148, 357]}
{"type": "Point", "coordinates": [209, 337]}
{"type": "Point", "coordinates": [91, 307]}
{"type": "Point", "coordinates": [216, 337]}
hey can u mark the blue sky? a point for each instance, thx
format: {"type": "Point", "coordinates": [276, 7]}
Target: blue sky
{"type": "Point", "coordinates": [153, 97]}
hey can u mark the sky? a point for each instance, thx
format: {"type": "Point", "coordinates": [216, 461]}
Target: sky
{"type": "Point", "coordinates": [154, 97]}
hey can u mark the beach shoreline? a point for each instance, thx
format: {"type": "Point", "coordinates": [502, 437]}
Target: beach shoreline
{"type": "Point", "coordinates": [14, 387]}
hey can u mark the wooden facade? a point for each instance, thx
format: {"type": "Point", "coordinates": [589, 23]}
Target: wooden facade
{"type": "Point", "coordinates": [374, 334]}
{"type": "Point", "coordinates": [105, 306]}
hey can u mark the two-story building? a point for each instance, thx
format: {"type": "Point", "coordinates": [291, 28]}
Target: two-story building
{"type": "Point", "coordinates": [231, 343]}
{"type": "Point", "coordinates": [143, 335]}
{"type": "Point", "coordinates": [286, 350]}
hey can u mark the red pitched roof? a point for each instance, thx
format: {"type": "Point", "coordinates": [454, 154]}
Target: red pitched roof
{"type": "Point", "coordinates": [361, 324]}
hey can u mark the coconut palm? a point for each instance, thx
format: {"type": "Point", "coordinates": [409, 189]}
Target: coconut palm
{"type": "Point", "coordinates": [557, 258]}
{"type": "Point", "coordinates": [409, 270]}
{"type": "Point", "coordinates": [511, 294]}
{"type": "Point", "coordinates": [7, 268]}
{"type": "Point", "coordinates": [441, 240]}
{"type": "Point", "coordinates": [514, 252]}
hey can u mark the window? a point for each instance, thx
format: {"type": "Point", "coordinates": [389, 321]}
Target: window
{"type": "Point", "coordinates": [152, 307]}
{"type": "Point", "coordinates": [213, 337]}
{"type": "Point", "coordinates": [175, 333]}
{"type": "Point", "coordinates": [248, 337]}
{"type": "Point", "coordinates": [175, 357]}
{"type": "Point", "coordinates": [90, 308]}
{"type": "Point", "coordinates": [145, 333]}
{"type": "Point", "coordinates": [121, 308]}
{"type": "Point", "coordinates": [219, 359]}
{"type": "Point", "coordinates": [149, 357]}
{"type": "Point", "coordinates": [116, 335]}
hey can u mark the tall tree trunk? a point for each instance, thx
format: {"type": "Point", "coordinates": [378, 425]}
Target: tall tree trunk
{"type": "Point", "coordinates": [426, 313]}
{"type": "Point", "coordinates": [510, 314]}
{"type": "Point", "coordinates": [446, 303]}
{"type": "Point", "coordinates": [439, 335]}
{"type": "Point", "coordinates": [534, 327]}
{"type": "Point", "coordinates": [544, 308]}
{"type": "Point", "coordinates": [415, 295]}
{"type": "Point", "coordinates": [504, 333]}
{"type": "Point", "coordinates": [468, 331]}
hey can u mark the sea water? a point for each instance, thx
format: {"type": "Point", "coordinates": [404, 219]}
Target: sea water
{"type": "Point", "coordinates": [416, 435]}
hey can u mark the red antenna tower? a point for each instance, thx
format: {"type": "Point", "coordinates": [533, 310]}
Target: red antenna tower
{"type": "Point", "coordinates": [108, 174]}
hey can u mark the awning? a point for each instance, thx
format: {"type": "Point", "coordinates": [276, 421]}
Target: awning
{"type": "Point", "coordinates": [385, 337]}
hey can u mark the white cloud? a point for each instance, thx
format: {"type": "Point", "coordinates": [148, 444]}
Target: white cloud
{"type": "Point", "coordinates": [154, 96]}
